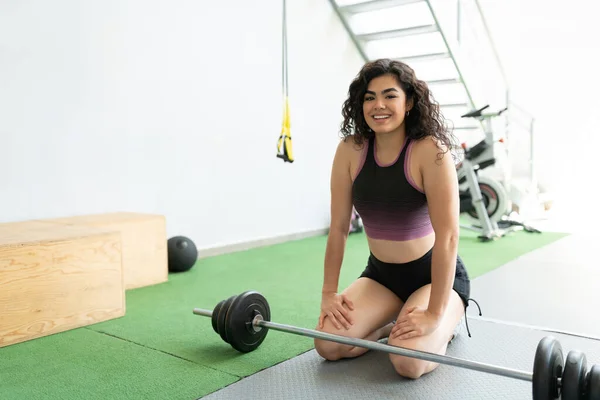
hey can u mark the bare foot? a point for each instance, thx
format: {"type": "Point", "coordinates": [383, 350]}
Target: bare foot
{"type": "Point", "coordinates": [381, 333]}
{"type": "Point", "coordinates": [451, 338]}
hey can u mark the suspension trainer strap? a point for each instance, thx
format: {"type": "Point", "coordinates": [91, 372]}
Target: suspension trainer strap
{"type": "Point", "coordinates": [284, 144]}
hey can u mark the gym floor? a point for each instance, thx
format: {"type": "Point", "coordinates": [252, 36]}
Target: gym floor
{"type": "Point", "coordinates": [528, 286]}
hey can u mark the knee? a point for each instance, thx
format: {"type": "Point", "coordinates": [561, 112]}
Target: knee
{"type": "Point", "coordinates": [408, 367]}
{"type": "Point", "coordinates": [330, 351]}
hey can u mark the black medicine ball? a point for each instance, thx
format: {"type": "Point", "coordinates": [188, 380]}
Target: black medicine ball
{"type": "Point", "coordinates": [182, 253]}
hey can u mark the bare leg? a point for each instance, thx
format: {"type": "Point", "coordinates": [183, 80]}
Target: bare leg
{"type": "Point", "coordinates": [375, 307]}
{"type": "Point", "coordinates": [435, 342]}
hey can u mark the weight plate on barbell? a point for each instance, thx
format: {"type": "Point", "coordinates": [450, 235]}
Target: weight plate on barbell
{"type": "Point", "coordinates": [547, 368]}
{"type": "Point", "coordinates": [593, 383]}
{"type": "Point", "coordinates": [215, 315]}
{"type": "Point", "coordinates": [573, 378]}
{"type": "Point", "coordinates": [240, 333]}
{"type": "Point", "coordinates": [221, 316]}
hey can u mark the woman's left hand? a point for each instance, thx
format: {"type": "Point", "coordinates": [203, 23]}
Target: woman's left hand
{"type": "Point", "coordinates": [415, 322]}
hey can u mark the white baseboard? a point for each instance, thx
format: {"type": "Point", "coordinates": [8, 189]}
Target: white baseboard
{"type": "Point", "coordinates": [231, 248]}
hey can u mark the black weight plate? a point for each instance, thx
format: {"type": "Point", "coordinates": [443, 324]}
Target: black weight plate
{"type": "Point", "coordinates": [593, 383]}
{"type": "Point", "coordinates": [215, 314]}
{"type": "Point", "coordinates": [241, 335]}
{"type": "Point", "coordinates": [573, 378]}
{"type": "Point", "coordinates": [221, 318]}
{"type": "Point", "coordinates": [547, 368]}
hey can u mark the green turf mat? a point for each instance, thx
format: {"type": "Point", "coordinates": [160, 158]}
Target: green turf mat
{"type": "Point", "coordinates": [289, 275]}
{"type": "Point", "coordinates": [83, 364]}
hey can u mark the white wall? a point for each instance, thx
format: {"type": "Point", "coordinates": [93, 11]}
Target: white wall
{"type": "Point", "coordinates": [172, 108]}
{"type": "Point", "coordinates": [550, 51]}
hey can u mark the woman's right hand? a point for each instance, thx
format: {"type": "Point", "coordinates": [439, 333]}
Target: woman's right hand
{"type": "Point", "coordinates": [333, 307]}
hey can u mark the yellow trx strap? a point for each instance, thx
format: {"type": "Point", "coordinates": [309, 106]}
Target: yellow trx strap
{"type": "Point", "coordinates": [284, 144]}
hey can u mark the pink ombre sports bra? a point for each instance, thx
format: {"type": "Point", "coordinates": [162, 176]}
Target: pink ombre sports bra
{"type": "Point", "coordinates": [388, 201]}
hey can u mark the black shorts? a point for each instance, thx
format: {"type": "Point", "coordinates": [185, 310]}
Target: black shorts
{"type": "Point", "coordinates": [404, 279]}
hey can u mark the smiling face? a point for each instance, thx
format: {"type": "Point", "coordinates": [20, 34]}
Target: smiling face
{"type": "Point", "coordinates": [385, 105]}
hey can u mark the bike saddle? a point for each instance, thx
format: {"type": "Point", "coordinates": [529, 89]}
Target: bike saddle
{"type": "Point", "coordinates": [474, 113]}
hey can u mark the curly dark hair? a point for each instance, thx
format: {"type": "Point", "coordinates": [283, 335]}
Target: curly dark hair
{"type": "Point", "coordinates": [424, 118]}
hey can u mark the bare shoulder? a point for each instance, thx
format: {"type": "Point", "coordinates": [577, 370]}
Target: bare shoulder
{"type": "Point", "coordinates": [349, 151]}
{"type": "Point", "coordinates": [431, 150]}
{"type": "Point", "coordinates": [349, 146]}
{"type": "Point", "coordinates": [348, 156]}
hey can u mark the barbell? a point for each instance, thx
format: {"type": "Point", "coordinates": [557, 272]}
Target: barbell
{"type": "Point", "coordinates": [243, 322]}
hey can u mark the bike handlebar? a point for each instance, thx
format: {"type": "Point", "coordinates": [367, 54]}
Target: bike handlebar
{"type": "Point", "coordinates": [479, 115]}
{"type": "Point", "coordinates": [494, 114]}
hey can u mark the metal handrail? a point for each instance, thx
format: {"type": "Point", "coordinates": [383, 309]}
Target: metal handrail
{"type": "Point", "coordinates": [492, 43]}
{"type": "Point", "coordinates": [522, 110]}
{"type": "Point", "coordinates": [497, 57]}
{"type": "Point", "coordinates": [452, 57]}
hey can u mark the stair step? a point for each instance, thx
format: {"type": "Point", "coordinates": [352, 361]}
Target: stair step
{"type": "Point", "coordinates": [425, 57]}
{"type": "Point", "coordinates": [396, 33]}
{"type": "Point", "coordinates": [466, 128]}
{"type": "Point", "coordinates": [448, 81]}
{"type": "Point", "coordinates": [454, 105]}
{"type": "Point", "coordinates": [433, 70]}
{"type": "Point", "coordinates": [374, 5]}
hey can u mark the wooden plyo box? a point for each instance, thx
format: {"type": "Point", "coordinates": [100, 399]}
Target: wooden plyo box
{"type": "Point", "coordinates": [54, 278]}
{"type": "Point", "coordinates": [144, 243]}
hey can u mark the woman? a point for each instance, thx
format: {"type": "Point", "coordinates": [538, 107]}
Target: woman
{"type": "Point", "coordinates": [395, 167]}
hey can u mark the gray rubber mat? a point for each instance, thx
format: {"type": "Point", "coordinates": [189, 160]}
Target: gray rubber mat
{"type": "Point", "coordinates": [372, 377]}
{"type": "Point", "coordinates": [554, 287]}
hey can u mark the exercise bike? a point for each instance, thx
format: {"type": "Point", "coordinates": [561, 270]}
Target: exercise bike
{"type": "Point", "coordinates": [485, 201]}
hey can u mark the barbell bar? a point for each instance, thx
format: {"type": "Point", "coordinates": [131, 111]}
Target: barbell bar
{"type": "Point", "coordinates": [259, 322]}
{"type": "Point", "coordinates": [243, 322]}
